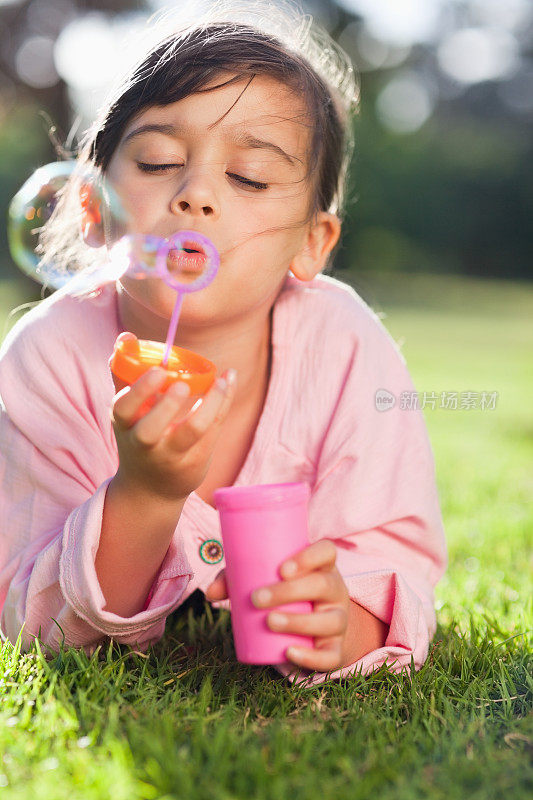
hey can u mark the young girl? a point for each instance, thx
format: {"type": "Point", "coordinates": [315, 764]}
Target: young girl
{"type": "Point", "coordinates": [107, 519]}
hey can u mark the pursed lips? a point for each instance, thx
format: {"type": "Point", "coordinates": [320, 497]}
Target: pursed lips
{"type": "Point", "coordinates": [191, 258]}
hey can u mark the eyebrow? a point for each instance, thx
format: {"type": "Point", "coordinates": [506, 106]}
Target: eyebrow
{"type": "Point", "coordinates": [248, 141]}
{"type": "Point", "coordinates": [245, 140]}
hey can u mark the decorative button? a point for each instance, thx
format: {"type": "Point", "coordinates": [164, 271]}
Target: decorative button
{"type": "Point", "coordinates": [211, 551]}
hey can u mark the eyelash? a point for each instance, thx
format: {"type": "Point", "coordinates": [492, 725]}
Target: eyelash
{"type": "Point", "coordinates": [161, 167]}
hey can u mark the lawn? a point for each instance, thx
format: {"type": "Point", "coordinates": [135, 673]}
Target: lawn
{"type": "Point", "coordinates": [188, 721]}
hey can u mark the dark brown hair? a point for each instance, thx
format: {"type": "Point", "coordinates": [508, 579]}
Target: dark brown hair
{"type": "Point", "coordinates": [179, 68]}
{"type": "Point", "coordinates": [282, 43]}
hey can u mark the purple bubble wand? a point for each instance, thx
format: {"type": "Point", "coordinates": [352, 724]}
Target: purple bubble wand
{"type": "Point", "coordinates": [182, 241]}
{"type": "Point", "coordinates": [172, 328]}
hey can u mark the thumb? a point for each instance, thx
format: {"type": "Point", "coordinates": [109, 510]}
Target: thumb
{"type": "Point", "coordinates": [124, 336]}
{"type": "Point", "coordinates": [218, 398]}
{"type": "Point", "coordinates": [218, 590]}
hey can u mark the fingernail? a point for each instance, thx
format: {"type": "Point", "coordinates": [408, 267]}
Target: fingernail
{"type": "Point", "coordinates": [180, 389]}
{"type": "Point", "coordinates": [289, 568]}
{"type": "Point", "coordinates": [156, 374]}
{"type": "Point", "coordinates": [231, 376]}
{"type": "Point", "coordinates": [277, 619]}
{"type": "Point", "coordinates": [293, 652]}
{"type": "Point", "coordinates": [261, 596]}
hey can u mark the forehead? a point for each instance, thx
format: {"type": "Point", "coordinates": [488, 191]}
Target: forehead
{"type": "Point", "coordinates": [262, 106]}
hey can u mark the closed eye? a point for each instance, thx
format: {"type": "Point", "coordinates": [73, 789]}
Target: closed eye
{"type": "Point", "coordinates": [144, 167]}
{"type": "Point", "coordinates": [247, 181]}
{"type": "Point", "coordinates": [156, 167]}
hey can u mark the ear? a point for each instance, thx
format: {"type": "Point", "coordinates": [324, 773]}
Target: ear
{"type": "Point", "coordinates": [91, 219]}
{"type": "Point", "coordinates": [320, 239]}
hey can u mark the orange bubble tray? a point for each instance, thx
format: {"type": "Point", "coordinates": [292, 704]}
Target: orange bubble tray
{"type": "Point", "coordinates": [133, 357]}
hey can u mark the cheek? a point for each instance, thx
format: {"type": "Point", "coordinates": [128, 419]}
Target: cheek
{"type": "Point", "coordinates": [140, 212]}
{"type": "Point", "coordinates": [270, 236]}
{"type": "Point", "coordinates": [276, 220]}
{"type": "Point", "coordinates": [137, 205]}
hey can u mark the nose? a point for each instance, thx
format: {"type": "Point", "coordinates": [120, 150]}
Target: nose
{"type": "Point", "coordinates": [196, 196]}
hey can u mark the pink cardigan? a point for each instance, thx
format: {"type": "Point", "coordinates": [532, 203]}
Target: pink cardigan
{"type": "Point", "coordinates": [371, 472]}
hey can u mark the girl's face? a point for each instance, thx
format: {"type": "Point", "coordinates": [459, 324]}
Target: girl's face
{"type": "Point", "coordinates": [232, 165]}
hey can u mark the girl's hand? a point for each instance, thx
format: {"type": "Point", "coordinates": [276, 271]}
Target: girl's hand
{"type": "Point", "coordinates": [166, 452]}
{"type": "Point", "coordinates": [309, 575]}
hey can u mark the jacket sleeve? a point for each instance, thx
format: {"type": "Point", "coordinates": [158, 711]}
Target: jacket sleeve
{"type": "Point", "coordinates": [375, 496]}
{"type": "Point", "coordinates": [57, 457]}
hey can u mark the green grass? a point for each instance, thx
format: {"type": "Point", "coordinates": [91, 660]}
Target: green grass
{"type": "Point", "coordinates": [188, 721]}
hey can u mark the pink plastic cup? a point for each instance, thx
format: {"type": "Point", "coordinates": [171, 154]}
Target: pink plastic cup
{"type": "Point", "coordinates": [262, 526]}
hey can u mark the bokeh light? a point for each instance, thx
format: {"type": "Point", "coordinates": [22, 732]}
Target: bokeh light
{"type": "Point", "coordinates": [34, 62]}
{"type": "Point", "coordinates": [400, 23]}
{"type": "Point", "coordinates": [92, 50]}
{"type": "Point", "coordinates": [405, 103]}
{"type": "Point", "coordinates": [370, 52]}
{"type": "Point", "coordinates": [472, 55]}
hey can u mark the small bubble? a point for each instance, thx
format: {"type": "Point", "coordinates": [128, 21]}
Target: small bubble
{"type": "Point", "coordinates": [471, 564]}
{"type": "Point", "coordinates": [3, 780]}
{"type": "Point", "coordinates": [12, 721]}
{"type": "Point", "coordinates": [50, 763]}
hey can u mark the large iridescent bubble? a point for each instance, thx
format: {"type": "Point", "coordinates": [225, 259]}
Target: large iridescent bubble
{"type": "Point", "coordinates": [29, 210]}
{"type": "Point", "coordinates": [97, 206]}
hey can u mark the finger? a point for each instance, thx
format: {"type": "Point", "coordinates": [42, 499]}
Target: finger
{"type": "Point", "coordinates": [130, 399]}
{"type": "Point", "coordinates": [209, 414]}
{"type": "Point", "coordinates": [321, 554]}
{"type": "Point", "coordinates": [124, 336]}
{"type": "Point", "coordinates": [118, 382]}
{"type": "Point", "coordinates": [321, 660]}
{"type": "Point", "coordinates": [319, 586]}
{"type": "Point", "coordinates": [323, 623]}
{"type": "Point", "coordinates": [152, 426]}
{"type": "Point", "coordinates": [218, 590]}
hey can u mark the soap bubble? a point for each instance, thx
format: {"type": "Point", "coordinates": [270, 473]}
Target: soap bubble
{"type": "Point", "coordinates": [30, 209]}
{"type": "Point", "coordinates": [136, 255]}
{"type": "Point", "coordinates": [99, 211]}
{"type": "Point", "coordinates": [188, 261]}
